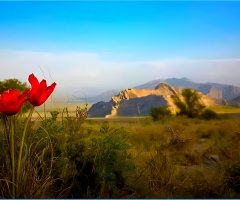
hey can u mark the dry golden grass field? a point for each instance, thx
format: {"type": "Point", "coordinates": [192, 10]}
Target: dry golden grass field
{"type": "Point", "coordinates": [129, 157]}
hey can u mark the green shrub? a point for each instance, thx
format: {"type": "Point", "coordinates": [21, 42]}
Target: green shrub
{"type": "Point", "coordinates": [208, 114]}
{"type": "Point", "coordinates": [160, 113]}
{"type": "Point", "coordinates": [112, 162]}
{"type": "Point", "coordinates": [190, 106]}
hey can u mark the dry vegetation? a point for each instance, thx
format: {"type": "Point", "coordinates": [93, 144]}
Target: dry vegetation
{"type": "Point", "coordinates": [69, 157]}
{"type": "Point", "coordinates": [182, 158]}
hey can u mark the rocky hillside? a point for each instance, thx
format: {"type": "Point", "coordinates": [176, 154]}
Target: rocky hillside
{"type": "Point", "coordinates": [228, 91]}
{"type": "Point", "coordinates": [138, 102]}
{"type": "Point", "coordinates": [235, 101]}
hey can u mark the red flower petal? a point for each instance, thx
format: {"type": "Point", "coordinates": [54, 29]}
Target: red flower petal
{"type": "Point", "coordinates": [34, 92]}
{"type": "Point", "coordinates": [48, 91]}
{"type": "Point", "coordinates": [43, 86]}
{"type": "Point", "coordinates": [13, 95]}
{"type": "Point", "coordinates": [11, 101]}
{"type": "Point", "coordinates": [22, 98]}
{"type": "Point", "coordinates": [39, 93]}
{"type": "Point", "coordinates": [4, 96]}
{"type": "Point", "coordinates": [33, 80]}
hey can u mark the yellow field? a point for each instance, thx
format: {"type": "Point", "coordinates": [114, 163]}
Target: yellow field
{"type": "Point", "coordinates": [225, 109]}
{"type": "Point", "coordinates": [58, 106]}
{"type": "Point", "coordinates": [177, 158]}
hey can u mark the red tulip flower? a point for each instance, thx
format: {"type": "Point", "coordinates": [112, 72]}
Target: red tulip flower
{"type": "Point", "coordinates": [11, 101]}
{"type": "Point", "coordinates": [39, 92]}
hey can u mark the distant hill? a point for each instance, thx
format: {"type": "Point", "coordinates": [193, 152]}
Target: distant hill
{"type": "Point", "coordinates": [204, 88]}
{"type": "Point", "coordinates": [180, 83]}
{"type": "Point", "coordinates": [228, 91]}
{"type": "Point", "coordinates": [105, 96]}
{"type": "Point", "coordinates": [138, 102]}
{"type": "Point", "coordinates": [235, 101]}
{"type": "Point", "coordinates": [100, 109]}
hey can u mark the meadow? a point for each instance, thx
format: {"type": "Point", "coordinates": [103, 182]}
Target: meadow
{"type": "Point", "coordinates": [182, 157]}
{"type": "Point", "coordinates": [67, 155]}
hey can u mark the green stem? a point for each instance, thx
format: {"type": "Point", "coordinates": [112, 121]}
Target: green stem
{"type": "Point", "coordinates": [45, 112]}
{"type": "Point", "coordinates": [21, 145]}
{"type": "Point", "coordinates": [12, 156]}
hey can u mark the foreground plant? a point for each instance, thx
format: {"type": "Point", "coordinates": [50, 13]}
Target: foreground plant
{"type": "Point", "coordinates": [10, 104]}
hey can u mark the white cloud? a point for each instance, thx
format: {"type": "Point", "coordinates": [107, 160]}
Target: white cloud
{"type": "Point", "coordinates": [89, 73]}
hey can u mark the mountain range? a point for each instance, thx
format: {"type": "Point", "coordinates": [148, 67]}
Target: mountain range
{"type": "Point", "coordinates": [138, 102]}
{"type": "Point", "coordinates": [104, 96]}
{"type": "Point", "coordinates": [227, 92]}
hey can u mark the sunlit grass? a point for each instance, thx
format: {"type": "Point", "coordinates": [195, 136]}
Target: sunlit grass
{"type": "Point", "coordinates": [136, 157]}
{"type": "Point", "coordinates": [57, 106]}
{"type": "Point", "coordinates": [225, 109]}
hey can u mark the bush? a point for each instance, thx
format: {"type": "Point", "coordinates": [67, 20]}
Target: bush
{"type": "Point", "coordinates": [190, 106]}
{"type": "Point", "coordinates": [160, 113]}
{"type": "Point", "coordinates": [113, 164]}
{"type": "Point", "coordinates": [208, 114]}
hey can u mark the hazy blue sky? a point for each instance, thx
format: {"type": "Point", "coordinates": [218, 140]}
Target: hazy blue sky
{"type": "Point", "coordinates": [96, 46]}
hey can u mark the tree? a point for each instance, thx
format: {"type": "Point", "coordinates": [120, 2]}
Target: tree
{"type": "Point", "coordinates": [191, 105]}
{"type": "Point", "coordinates": [160, 113]}
{"type": "Point", "coordinates": [13, 84]}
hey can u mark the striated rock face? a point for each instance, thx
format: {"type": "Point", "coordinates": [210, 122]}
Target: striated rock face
{"type": "Point", "coordinates": [216, 93]}
{"type": "Point", "coordinates": [138, 102]}
{"type": "Point", "coordinates": [231, 92]}
{"type": "Point", "coordinates": [140, 106]}
{"type": "Point", "coordinates": [100, 109]}
{"type": "Point", "coordinates": [163, 90]}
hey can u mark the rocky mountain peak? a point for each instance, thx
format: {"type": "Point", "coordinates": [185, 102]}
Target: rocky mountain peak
{"type": "Point", "coordinates": [138, 102]}
{"type": "Point", "coordinates": [166, 89]}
